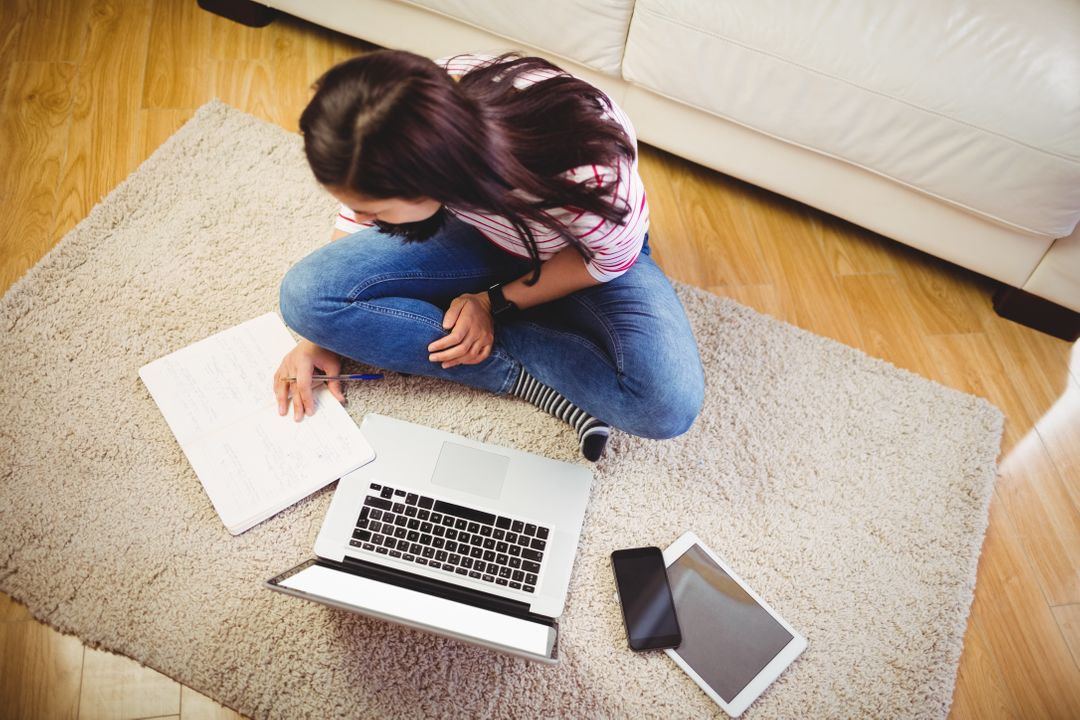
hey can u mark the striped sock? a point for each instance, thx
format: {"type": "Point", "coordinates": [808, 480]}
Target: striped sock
{"type": "Point", "coordinates": [592, 434]}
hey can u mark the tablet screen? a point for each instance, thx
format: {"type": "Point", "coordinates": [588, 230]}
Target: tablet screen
{"type": "Point", "coordinates": [727, 637]}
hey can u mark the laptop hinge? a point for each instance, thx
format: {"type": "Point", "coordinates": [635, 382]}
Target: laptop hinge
{"type": "Point", "coordinates": [430, 586]}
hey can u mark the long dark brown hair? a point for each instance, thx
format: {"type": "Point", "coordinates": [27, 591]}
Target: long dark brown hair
{"type": "Point", "coordinates": [392, 124]}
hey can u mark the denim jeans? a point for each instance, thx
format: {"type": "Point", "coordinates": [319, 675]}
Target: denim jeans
{"type": "Point", "coordinates": [622, 350]}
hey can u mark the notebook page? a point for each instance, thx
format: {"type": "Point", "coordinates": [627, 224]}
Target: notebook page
{"type": "Point", "coordinates": [217, 397]}
{"type": "Point", "coordinates": [216, 381]}
{"type": "Point", "coordinates": [268, 462]}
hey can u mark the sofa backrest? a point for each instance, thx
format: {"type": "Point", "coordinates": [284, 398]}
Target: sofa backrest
{"type": "Point", "coordinates": [975, 103]}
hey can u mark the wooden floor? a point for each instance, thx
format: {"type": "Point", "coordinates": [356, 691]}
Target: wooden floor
{"type": "Point", "coordinates": [88, 89]}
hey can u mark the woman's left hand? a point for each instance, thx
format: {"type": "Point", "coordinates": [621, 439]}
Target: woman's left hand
{"type": "Point", "coordinates": [472, 332]}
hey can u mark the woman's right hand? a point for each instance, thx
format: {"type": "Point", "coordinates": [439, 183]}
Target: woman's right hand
{"type": "Point", "coordinates": [300, 363]}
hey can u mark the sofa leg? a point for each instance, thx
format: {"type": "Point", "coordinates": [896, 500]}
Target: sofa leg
{"type": "Point", "coordinates": [1038, 313]}
{"type": "Point", "coordinates": [245, 12]}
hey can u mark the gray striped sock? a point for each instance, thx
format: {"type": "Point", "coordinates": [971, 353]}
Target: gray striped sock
{"type": "Point", "coordinates": [592, 433]}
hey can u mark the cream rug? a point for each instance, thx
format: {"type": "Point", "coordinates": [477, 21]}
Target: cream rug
{"type": "Point", "coordinates": [852, 495]}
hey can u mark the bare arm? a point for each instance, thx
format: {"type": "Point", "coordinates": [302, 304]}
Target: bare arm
{"type": "Point", "coordinates": [563, 273]}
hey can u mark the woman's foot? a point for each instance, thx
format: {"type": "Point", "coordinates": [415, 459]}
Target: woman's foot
{"type": "Point", "coordinates": [594, 439]}
{"type": "Point", "coordinates": [592, 433]}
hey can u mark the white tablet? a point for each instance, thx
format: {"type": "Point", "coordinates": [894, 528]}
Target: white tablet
{"type": "Point", "coordinates": [734, 645]}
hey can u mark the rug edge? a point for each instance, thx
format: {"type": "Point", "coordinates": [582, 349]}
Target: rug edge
{"type": "Point", "coordinates": [740, 307]}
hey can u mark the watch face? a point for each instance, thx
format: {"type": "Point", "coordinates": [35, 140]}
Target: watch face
{"type": "Point", "coordinates": [499, 303]}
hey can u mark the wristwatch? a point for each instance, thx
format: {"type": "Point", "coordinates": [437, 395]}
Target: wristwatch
{"type": "Point", "coordinates": [501, 308]}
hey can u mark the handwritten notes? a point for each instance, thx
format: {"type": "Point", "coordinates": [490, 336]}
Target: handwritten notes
{"type": "Point", "coordinates": [217, 398]}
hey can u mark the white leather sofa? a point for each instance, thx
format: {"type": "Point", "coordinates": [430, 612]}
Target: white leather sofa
{"type": "Point", "coordinates": [949, 125]}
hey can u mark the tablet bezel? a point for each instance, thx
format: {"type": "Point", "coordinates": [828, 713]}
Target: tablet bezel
{"type": "Point", "coordinates": [770, 672]}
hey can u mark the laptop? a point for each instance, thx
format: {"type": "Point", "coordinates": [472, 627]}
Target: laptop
{"type": "Point", "coordinates": [460, 538]}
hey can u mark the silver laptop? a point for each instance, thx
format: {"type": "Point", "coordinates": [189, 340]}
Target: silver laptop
{"type": "Point", "coordinates": [452, 536]}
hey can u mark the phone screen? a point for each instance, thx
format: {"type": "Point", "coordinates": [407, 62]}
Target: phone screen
{"type": "Point", "coordinates": [648, 608]}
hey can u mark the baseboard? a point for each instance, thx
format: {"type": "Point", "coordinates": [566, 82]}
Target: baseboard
{"type": "Point", "coordinates": [1037, 313]}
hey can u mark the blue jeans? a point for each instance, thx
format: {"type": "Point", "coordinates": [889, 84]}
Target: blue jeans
{"type": "Point", "coordinates": [622, 350]}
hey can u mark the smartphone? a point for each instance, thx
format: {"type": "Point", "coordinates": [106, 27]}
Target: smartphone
{"type": "Point", "coordinates": [645, 596]}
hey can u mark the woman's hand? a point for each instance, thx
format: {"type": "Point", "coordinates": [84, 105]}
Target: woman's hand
{"type": "Point", "coordinates": [472, 332]}
{"type": "Point", "coordinates": [300, 363]}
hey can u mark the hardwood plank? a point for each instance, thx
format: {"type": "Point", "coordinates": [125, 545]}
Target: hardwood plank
{"type": "Point", "coordinates": [101, 144]}
{"type": "Point", "coordinates": [766, 299]}
{"type": "Point", "coordinates": [11, 611]}
{"type": "Point", "coordinates": [797, 260]}
{"type": "Point", "coordinates": [47, 30]}
{"type": "Point", "coordinates": [157, 126]}
{"type": "Point", "coordinates": [720, 246]}
{"type": "Point", "coordinates": [1068, 619]}
{"type": "Point", "coordinates": [292, 77]}
{"type": "Point", "coordinates": [11, 22]}
{"type": "Point", "coordinates": [233, 41]}
{"type": "Point", "coordinates": [40, 671]}
{"type": "Point", "coordinates": [1041, 360]}
{"type": "Point", "coordinates": [246, 84]}
{"type": "Point", "coordinates": [970, 363]}
{"type": "Point", "coordinates": [980, 692]}
{"type": "Point", "coordinates": [177, 58]}
{"type": "Point", "coordinates": [117, 687]}
{"type": "Point", "coordinates": [195, 706]}
{"type": "Point", "coordinates": [343, 47]}
{"type": "Point", "coordinates": [6, 73]}
{"type": "Point", "coordinates": [852, 250]}
{"type": "Point", "coordinates": [666, 227]}
{"type": "Point", "coordinates": [1059, 429]}
{"type": "Point", "coordinates": [1031, 489]}
{"type": "Point", "coordinates": [946, 299]}
{"type": "Point", "coordinates": [886, 321]}
{"type": "Point", "coordinates": [1045, 518]}
{"type": "Point", "coordinates": [675, 231]}
{"type": "Point", "coordinates": [328, 47]}
{"type": "Point", "coordinates": [35, 112]}
{"type": "Point", "coordinates": [291, 53]}
{"type": "Point", "coordinates": [1020, 630]}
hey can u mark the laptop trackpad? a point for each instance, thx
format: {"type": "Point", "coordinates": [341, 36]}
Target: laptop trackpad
{"type": "Point", "coordinates": [475, 471]}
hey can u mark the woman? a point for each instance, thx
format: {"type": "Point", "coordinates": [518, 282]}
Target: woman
{"type": "Point", "coordinates": [493, 232]}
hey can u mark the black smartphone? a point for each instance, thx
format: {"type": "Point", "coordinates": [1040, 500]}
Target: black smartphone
{"type": "Point", "coordinates": [647, 605]}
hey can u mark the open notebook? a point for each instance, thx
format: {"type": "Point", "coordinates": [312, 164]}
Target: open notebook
{"type": "Point", "coordinates": [217, 398]}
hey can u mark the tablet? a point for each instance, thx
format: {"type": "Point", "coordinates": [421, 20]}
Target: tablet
{"type": "Point", "coordinates": [734, 645]}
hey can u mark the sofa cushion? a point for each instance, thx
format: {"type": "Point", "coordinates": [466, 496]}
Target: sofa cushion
{"type": "Point", "coordinates": [976, 103]}
{"type": "Point", "coordinates": [592, 32]}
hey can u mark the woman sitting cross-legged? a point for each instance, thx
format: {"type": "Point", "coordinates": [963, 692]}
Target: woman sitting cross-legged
{"type": "Point", "coordinates": [494, 232]}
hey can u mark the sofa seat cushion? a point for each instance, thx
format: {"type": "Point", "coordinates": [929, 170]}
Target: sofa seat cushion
{"type": "Point", "coordinates": [976, 102]}
{"type": "Point", "coordinates": [592, 32]}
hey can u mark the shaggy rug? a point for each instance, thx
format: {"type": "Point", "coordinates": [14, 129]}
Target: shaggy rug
{"type": "Point", "coordinates": [850, 494]}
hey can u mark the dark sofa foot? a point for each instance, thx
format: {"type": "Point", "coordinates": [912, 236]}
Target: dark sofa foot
{"type": "Point", "coordinates": [245, 12]}
{"type": "Point", "coordinates": [1038, 313]}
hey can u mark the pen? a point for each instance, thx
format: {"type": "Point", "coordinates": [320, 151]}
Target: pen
{"type": "Point", "coordinates": [368, 376]}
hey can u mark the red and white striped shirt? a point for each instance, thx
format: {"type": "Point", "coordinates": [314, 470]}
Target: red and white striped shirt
{"type": "Point", "coordinates": [615, 246]}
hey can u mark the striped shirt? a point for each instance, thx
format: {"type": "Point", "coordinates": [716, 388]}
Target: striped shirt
{"type": "Point", "coordinates": [615, 247]}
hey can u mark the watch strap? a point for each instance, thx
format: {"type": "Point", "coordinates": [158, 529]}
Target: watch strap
{"type": "Point", "coordinates": [501, 308]}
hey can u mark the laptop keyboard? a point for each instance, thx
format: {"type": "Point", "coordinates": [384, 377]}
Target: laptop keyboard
{"type": "Point", "coordinates": [491, 548]}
